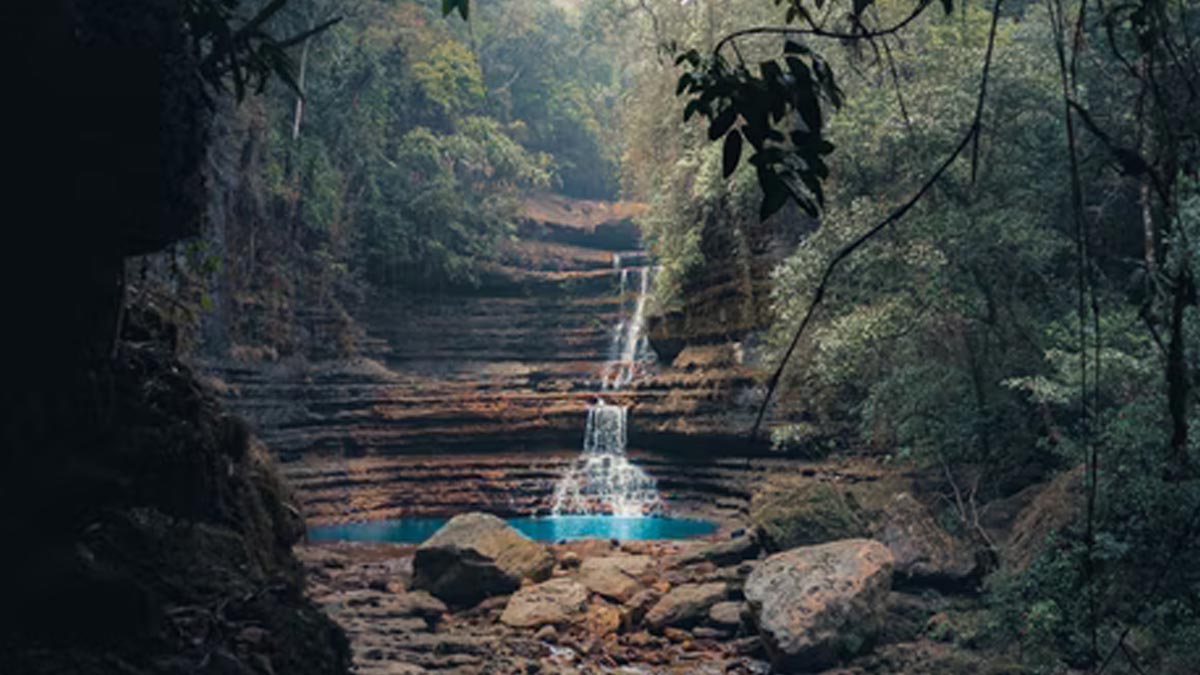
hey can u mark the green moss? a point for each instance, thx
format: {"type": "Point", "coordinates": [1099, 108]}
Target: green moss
{"type": "Point", "coordinates": [803, 513]}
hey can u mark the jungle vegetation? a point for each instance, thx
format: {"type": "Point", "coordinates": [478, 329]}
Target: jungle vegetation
{"type": "Point", "coordinates": [1000, 208]}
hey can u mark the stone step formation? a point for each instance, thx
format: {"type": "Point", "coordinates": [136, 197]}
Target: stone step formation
{"type": "Point", "coordinates": [500, 379]}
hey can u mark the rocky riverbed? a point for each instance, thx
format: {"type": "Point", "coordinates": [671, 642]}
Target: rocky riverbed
{"type": "Point", "coordinates": [716, 605]}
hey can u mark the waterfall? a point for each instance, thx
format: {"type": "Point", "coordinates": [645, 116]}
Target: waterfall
{"type": "Point", "coordinates": [602, 479]}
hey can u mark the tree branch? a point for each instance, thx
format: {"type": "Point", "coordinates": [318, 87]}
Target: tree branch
{"type": "Point", "coordinates": [847, 250]}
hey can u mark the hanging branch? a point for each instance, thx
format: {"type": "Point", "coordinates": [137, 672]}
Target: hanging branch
{"type": "Point", "coordinates": [817, 31]}
{"type": "Point", "coordinates": [848, 250]}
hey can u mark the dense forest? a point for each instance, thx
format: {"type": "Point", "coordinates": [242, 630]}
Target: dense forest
{"type": "Point", "coordinates": [942, 257]}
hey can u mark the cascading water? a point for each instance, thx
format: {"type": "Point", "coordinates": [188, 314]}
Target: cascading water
{"type": "Point", "coordinates": [603, 480]}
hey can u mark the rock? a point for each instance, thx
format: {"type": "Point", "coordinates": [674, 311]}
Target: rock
{"type": "Point", "coordinates": [729, 552]}
{"type": "Point", "coordinates": [816, 604]}
{"type": "Point", "coordinates": [417, 603]}
{"type": "Point", "coordinates": [1053, 506]}
{"type": "Point", "coordinates": [676, 634]}
{"type": "Point", "coordinates": [547, 633]}
{"type": "Point", "coordinates": [685, 605]}
{"type": "Point", "coordinates": [924, 553]}
{"type": "Point", "coordinates": [706, 633]}
{"type": "Point", "coordinates": [557, 602]}
{"type": "Point", "coordinates": [636, 607]}
{"type": "Point", "coordinates": [802, 512]}
{"type": "Point", "coordinates": [602, 619]}
{"type": "Point", "coordinates": [614, 576]}
{"type": "Point", "coordinates": [939, 629]}
{"type": "Point", "coordinates": [570, 560]}
{"type": "Point", "coordinates": [641, 639]}
{"type": "Point", "coordinates": [477, 555]}
{"type": "Point", "coordinates": [727, 614]}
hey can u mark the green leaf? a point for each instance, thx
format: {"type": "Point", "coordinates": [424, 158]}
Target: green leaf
{"type": "Point", "coordinates": [722, 123]}
{"type": "Point", "coordinates": [732, 153]}
{"type": "Point", "coordinates": [775, 193]}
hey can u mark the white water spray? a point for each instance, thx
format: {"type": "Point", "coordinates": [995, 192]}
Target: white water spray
{"type": "Point", "coordinates": [603, 480]}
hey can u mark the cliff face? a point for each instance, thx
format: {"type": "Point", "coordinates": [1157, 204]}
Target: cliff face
{"type": "Point", "coordinates": [157, 540]}
{"type": "Point", "coordinates": [478, 400]}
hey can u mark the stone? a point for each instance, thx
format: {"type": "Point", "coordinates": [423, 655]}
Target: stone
{"type": "Point", "coordinates": [417, 603]}
{"type": "Point", "coordinates": [727, 614]}
{"type": "Point", "coordinates": [1053, 506]}
{"type": "Point", "coordinates": [570, 560]}
{"type": "Point", "coordinates": [924, 553]}
{"type": "Point", "coordinates": [722, 553]}
{"type": "Point", "coordinates": [816, 604]}
{"type": "Point", "coordinates": [641, 639]}
{"type": "Point", "coordinates": [802, 512]}
{"type": "Point", "coordinates": [602, 619]}
{"type": "Point", "coordinates": [634, 609]}
{"type": "Point", "coordinates": [547, 633]}
{"type": "Point", "coordinates": [676, 634]}
{"type": "Point", "coordinates": [706, 633]}
{"type": "Point", "coordinates": [477, 555]}
{"type": "Point", "coordinates": [556, 602]}
{"type": "Point", "coordinates": [685, 605]}
{"type": "Point", "coordinates": [614, 577]}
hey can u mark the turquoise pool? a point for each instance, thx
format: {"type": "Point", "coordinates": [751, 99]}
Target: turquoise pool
{"type": "Point", "coordinates": [548, 528]}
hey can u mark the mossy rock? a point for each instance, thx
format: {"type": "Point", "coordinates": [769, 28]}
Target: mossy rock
{"type": "Point", "coordinates": [802, 513]}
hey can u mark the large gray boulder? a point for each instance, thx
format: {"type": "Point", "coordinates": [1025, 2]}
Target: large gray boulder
{"type": "Point", "coordinates": [477, 555]}
{"type": "Point", "coordinates": [817, 604]}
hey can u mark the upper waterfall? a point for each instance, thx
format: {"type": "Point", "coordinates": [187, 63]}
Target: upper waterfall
{"type": "Point", "coordinates": [603, 480]}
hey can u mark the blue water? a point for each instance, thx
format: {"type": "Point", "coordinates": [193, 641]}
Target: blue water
{"type": "Point", "coordinates": [552, 528]}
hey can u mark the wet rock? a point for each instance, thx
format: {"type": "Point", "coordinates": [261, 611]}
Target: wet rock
{"type": "Point", "coordinates": [557, 602]}
{"type": "Point", "coordinates": [722, 553]}
{"type": "Point", "coordinates": [924, 553]}
{"type": "Point", "coordinates": [477, 555]}
{"type": "Point", "coordinates": [795, 513]}
{"type": "Point", "coordinates": [816, 604]}
{"type": "Point", "coordinates": [614, 577]}
{"type": "Point", "coordinates": [685, 605]}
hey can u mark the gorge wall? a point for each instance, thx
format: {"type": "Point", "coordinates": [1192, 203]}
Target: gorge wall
{"type": "Point", "coordinates": [478, 399]}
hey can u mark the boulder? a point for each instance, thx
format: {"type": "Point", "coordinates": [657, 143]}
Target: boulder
{"type": "Point", "coordinates": [1054, 506]}
{"type": "Point", "coordinates": [816, 604]}
{"type": "Point", "coordinates": [685, 605]}
{"type": "Point", "coordinates": [924, 553]}
{"type": "Point", "coordinates": [614, 577]}
{"type": "Point", "coordinates": [802, 512]}
{"type": "Point", "coordinates": [477, 555]}
{"type": "Point", "coordinates": [555, 602]}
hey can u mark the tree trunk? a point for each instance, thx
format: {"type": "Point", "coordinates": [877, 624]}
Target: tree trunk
{"type": "Point", "coordinates": [1177, 375]}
